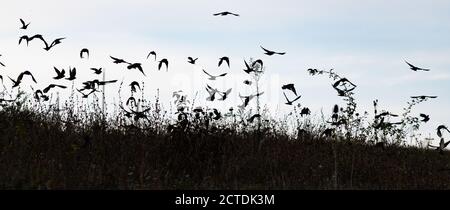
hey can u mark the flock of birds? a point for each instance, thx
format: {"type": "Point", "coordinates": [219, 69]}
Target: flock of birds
{"type": "Point", "coordinates": [342, 86]}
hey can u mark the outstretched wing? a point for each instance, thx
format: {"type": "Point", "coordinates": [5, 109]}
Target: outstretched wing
{"type": "Point", "coordinates": [268, 51]}
{"type": "Point", "coordinates": [286, 97]}
{"type": "Point", "coordinates": [207, 73]}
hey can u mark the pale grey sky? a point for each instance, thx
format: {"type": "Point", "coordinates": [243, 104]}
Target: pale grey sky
{"type": "Point", "coordinates": [366, 41]}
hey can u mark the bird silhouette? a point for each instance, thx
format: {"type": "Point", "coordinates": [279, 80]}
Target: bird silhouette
{"type": "Point", "coordinates": [29, 39]}
{"type": "Point", "coordinates": [423, 97]}
{"type": "Point", "coordinates": [415, 68]}
{"type": "Point", "coordinates": [226, 13]}
{"type": "Point", "coordinates": [247, 82]}
{"type": "Point", "coordinates": [252, 118]}
{"type": "Point", "coordinates": [118, 60]}
{"type": "Point", "coordinates": [133, 86]}
{"type": "Point", "coordinates": [20, 77]}
{"type": "Point", "coordinates": [131, 100]}
{"type": "Point", "coordinates": [440, 129]}
{"type": "Point", "coordinates": [248, 98]}
{"type": "Point", "coordinates": [38, 95]}
{"type": "Point", "coordinates": [72, 74]}
{"type": "Point", "coordinates": [226, 59]}
{"type": "Point", "coordinates": [289, 87]}
{"type": "Point", "coordinates": [341, 86]}
{"type": "Point", "coordinates": [84, 51]}
{"type": "Point", "coordinates": [97, 70]}
{"type": "Point", "coordinates": [101, 83]}
{"type": "Point", "coordinates": [191, 60]}
{"type": "Point", "coordinates": [270, 53]}
{"type": "Point", "coordinates": [384, 114]}
{"type": "Point", "coordinates": [163, 61]}
{"type": "Point", "coordinates": [137, 114]}
{"type": "Point", "coordinates": [86, 95]}
{"type": "Point", "coordinates": [425, 118]}
{"type": "Point", "coordinates": [442, 145]}
{"type": "Point", "coordinates": [224, 94]}
{"type": "Point", "coordinates": [59, 74]}
{"type": "Point", "coordinates": [211, 77]}
{"type": "Point", "coordinates": [137, 66]}
{"type": "Point", "coordinates": [212, 93]}
{"type": "Point", "coordinates": [24, 25]}
{"type": "Point", "coordinates": [344, 82]}
{"type": "Point", "coordinates": [249, 69]}
{"type": "Point", "coordinates": [47, 46]}
{"type": "Point", "coordinates": [258, 62]}
{"type": "Point", "coordinates": [53, 86]}
{"type": "Point", "coordinates": [217, 114]}
{"type": "Point", "coordinates": [289, 102]}
{"type": "Point", "coordinates": [305, 111]}
{"type": "Point", "coordinates": [385, 125]}
{"type": "Point", "coordinates": [152, 53]}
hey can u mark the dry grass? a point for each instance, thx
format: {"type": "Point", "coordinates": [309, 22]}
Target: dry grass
{"type": "Point", "coordinates": [43, 151]}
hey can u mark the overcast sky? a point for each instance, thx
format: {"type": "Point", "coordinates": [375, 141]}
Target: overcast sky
{"type": "Point", "coordinates": [365, 41]}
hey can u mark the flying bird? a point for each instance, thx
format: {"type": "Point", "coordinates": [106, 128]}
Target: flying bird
{"type": "Point", "coordinates": [425, 118]}
{"type": "Point", "coordinates": [343, 82]}
{"type": "Point", "coordinates": [225, 14]}
{"type": "Point", "coordinates": [97, 70]}
{"type": "Point", "coordinates": [86, 95]}
{"type": "Point", "coordinates": [118, 60]}
{"type": "Point", "coordinates": [224, 94]}
{"type": "Point", "coordinates": [38, 95]}
{"type": "Point", "coordinates": [152, 53]}
{"type": "Point", "coordinates": [442, 146]}
{"type": "Point", "coordinates": [415, 68]}
{"type": "Point", "coordinates": [249, 69]}
{"type": "Point", "coordinates": [211, 77]}
{"type": "Point", "coordinates": [258, 62]}
{"type": "Point", "coordinates": [133, 86]}
{"type": "Point", "coordinates": [439, 130]}
{"type": "Point", "coordinates": [72, 74]}
{"type": "Point", "coordinates": [20, 77]}
{"type": "Point", "coordinates": [289, 87]}
{"type": "Point", "coordinates": [384, 114]}
{"type": "Point", "coordinates": [53, 86]}
{"type": "Point", "coordinates": [29, 39]}
{"type": "Point", "coordinates": [247, 99]}
{"type": "Point", "coordinates": [270, 53]}
{"type": "Point", "coordinates": [131, 100]}
{"type": "Point", "coordinates": [247, 82]}
{"type": "Point", "coordinates": [59, 74]}
{"type": "Point", "coordinates": [163, 61]}
{"type": "Point", "coordinates": [191, 60]}
{"type": "Point", "coordinates": [423, 97]}
{"type": "Point", "coordinates": [104, 82]}
{"type": "Point", "coordinates": [289, 102]}
{"type": "Point", "coordinates": [212, 93]}
{"type": "Point", "coordinates": [84, 51]}
{"type": "Point", "coordinates": [137, 66]}
{"type": "Point", "coordinates": [226, 59]}
{"type": "Point", "coordinates": [24, 25]}
{"type": "Point", "coordinates": [252, 118]}
{"type": "Point", "coordinates": [54, 43]}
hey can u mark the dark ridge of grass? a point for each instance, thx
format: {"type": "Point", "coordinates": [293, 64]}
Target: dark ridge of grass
{"type": "Point", "coordinates": [41, 152]}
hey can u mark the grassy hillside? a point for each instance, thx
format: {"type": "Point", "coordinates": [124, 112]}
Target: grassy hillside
{"type": "Point", "coordinates": [41, 151]}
